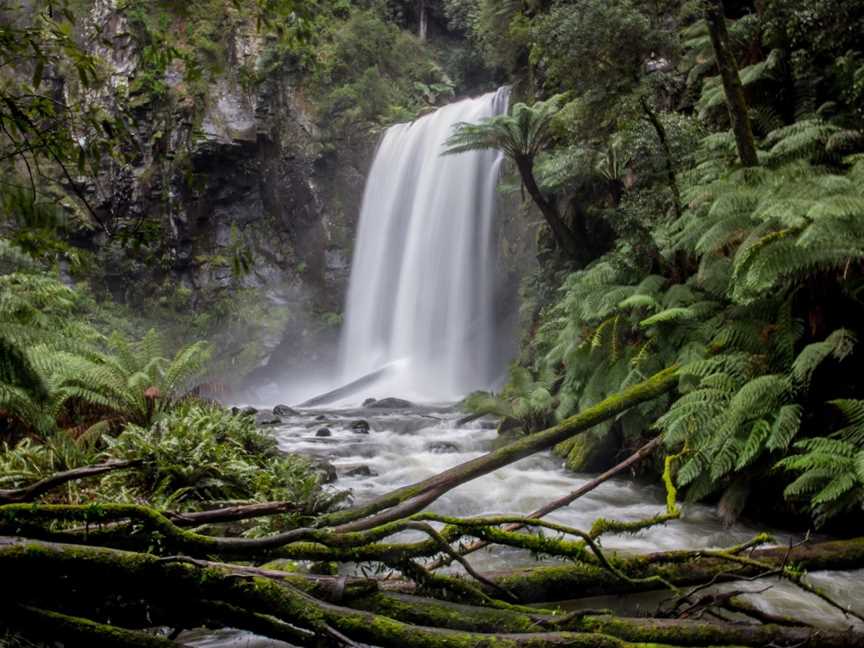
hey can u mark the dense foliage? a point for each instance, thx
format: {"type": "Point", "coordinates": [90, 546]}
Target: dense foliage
{"type": "Point", "coordinates": [747, 278]}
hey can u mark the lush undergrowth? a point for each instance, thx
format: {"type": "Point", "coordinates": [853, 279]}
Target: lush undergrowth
{"type": "Point", "coordinates": [72, 395]}
{"type": "Point", "coordinates": [747, 277]}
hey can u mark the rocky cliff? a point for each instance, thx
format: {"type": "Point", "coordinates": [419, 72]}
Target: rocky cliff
{"type": "Point", "coordinates": [226, 188]}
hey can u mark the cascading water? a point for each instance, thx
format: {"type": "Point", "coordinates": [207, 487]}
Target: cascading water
{"type": "Point", "coordinates": [422, 288]}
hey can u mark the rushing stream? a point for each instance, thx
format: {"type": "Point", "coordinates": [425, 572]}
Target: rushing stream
{"type": "Point", "coordinates": [406, 446]}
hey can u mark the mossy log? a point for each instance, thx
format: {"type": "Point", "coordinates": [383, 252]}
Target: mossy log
{"type": "Point", "coordinates": [680, 568]}
{"type": "Point", "coordinates": [46, 625]}
{"type": "Point", "coordinates": [405, 501]}
{"type": "Point", "coordinates": [94, 580]}
{"type": "Point", "coordinates": [158, 534]}
{"type": "Point", "coordinates": [109, 584]}
{"type": "Point", "coordinates": [568, 499]}
{"type": "Point", "coordinates": [679, 632]}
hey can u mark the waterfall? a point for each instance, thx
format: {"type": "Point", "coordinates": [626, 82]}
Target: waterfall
{"type": "Point", "coordinates": [421, 294]}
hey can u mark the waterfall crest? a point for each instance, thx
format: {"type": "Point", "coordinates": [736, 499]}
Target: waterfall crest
{"type": "Point", "coordinates": [421, 295]}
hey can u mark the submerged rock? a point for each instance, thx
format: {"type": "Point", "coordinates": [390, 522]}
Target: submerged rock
{"type": "Point", "coordinates": [285, 411]}
{"type": "Point", "coordinates": [360, 427]}
{"type": "Point", "coordinates": [361, 471]}
{"type": "Point", "coordinates": [321, 417]}
{"type": "Point", "coordinates": [324, 432]}
{"type": "Point", "coordinates": [325, 470]}
{"type": "Point", "coordinates": [443, 447]}
{"type": "Point", "coordinates": [391, 403]}
{"type": "Point", "coordinates": [266, 418]}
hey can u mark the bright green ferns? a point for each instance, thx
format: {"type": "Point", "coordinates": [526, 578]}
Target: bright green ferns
{"type": "Point", "coordinates": [830, 470]}
{"type": "Point", "coordinates": [754, 292]}
{"type": "Point", "coordinates": [58, 372]}
{"type": "Point", "coordinates": [199, 453]}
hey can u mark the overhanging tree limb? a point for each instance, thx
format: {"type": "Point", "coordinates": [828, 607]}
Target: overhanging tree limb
{"type": "Point", "coordinates": [568, 499]}
{"type": "Point", "coordinates": [405, 501]}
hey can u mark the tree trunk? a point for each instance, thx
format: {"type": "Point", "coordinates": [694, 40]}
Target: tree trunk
{"type": "Point", "coordinates": [715, 16]}
{"type": "Point", "coordinates": [667, 154]}
{"type": "Point", "coordinates": [423, 20]}
{"type": "Point", "coordinates": [562, 234]}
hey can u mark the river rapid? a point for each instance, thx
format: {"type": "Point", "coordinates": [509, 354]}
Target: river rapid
{"type": "Point", "coordinates": [405, 446]}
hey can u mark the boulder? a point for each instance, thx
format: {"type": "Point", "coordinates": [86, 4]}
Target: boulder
{"type": "Point", "coordinates": [442, 447]}
{"type": "Point", "coordinates": [267, 418]}
{"type": "Point", "coordinates": [248, 411]}
{"type": "Point", "coordinates": [361, 471]}
{"type": "Point", "coordinates": [591, 451]}
{"type": "Point", "coordinates": [326, 470]}
{"type": "Point", "coordinates": [368, 402]}
{"type": "Point", "coordinates": [391, 403]}
{"type": "Point", "coordinates": [360, 427]}
{"type": "Point", "coordinates": [284, 411]}
{"type": "Point", "coordinates": [324, 432]}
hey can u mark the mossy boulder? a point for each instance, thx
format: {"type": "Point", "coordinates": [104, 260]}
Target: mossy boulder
{"type": "Point", "coordinates": [591, 451]}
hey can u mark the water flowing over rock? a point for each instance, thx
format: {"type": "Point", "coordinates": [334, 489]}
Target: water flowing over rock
{"type": "Point", "coordinates": [422, 281]}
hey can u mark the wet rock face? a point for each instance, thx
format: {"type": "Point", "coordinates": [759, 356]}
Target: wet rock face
{"type": "Point", "coordinates": [243, 165]}
{"type": "Point", "coordinates": [360, 427]}
{"type": "Point", "coordinates": [263, 419]}
{"type": "Point", "coordinates": [284, 411]}
{"type": "Point", "coordinates": [361, 471]}
{"type": "Point", "coordinates": [391, 403]}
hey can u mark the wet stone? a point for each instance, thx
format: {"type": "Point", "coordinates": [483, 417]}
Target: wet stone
{"type": "Point", "coordinates": [324, 432]}
{"type": "Point", "coordinates": [442, 447]}
{"type": "Point", "coordinates": [285, 411]}
{"type": "Point", "coordinates": [266, 418]}
{"type": "Point", "coordinates": [361, 471]}
{"type": "Point", "coordinates": [325, 469]}
{"type": "Point", "coordinates": [391, 403]}
{"type": "Point", "coordinates": [360, 427]}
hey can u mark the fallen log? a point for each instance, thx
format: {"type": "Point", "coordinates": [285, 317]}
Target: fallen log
{"type": "Point", "coordinates": [232, 513]}
{"type": "Point", "coordinates": [351, 388]}
{"type": "Point", "coordinates": [679, 632]}
{"type": "Point", "coordinates": [568, 499]}
{"type": "Point", "coordinates": [97, 576]}
{"type": "Point", "coordinates": [681, 568]}
{"type": "Point", "coordinates": [159, 534]}
{"type": "Point", "coordinates": [46, 625]}
{"type": "Point", "coordinates": [35, 490]}
{"type": "Point", "coordinates": [405, 501]}
{"type": "Point", "coordinates": [94, 581]}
